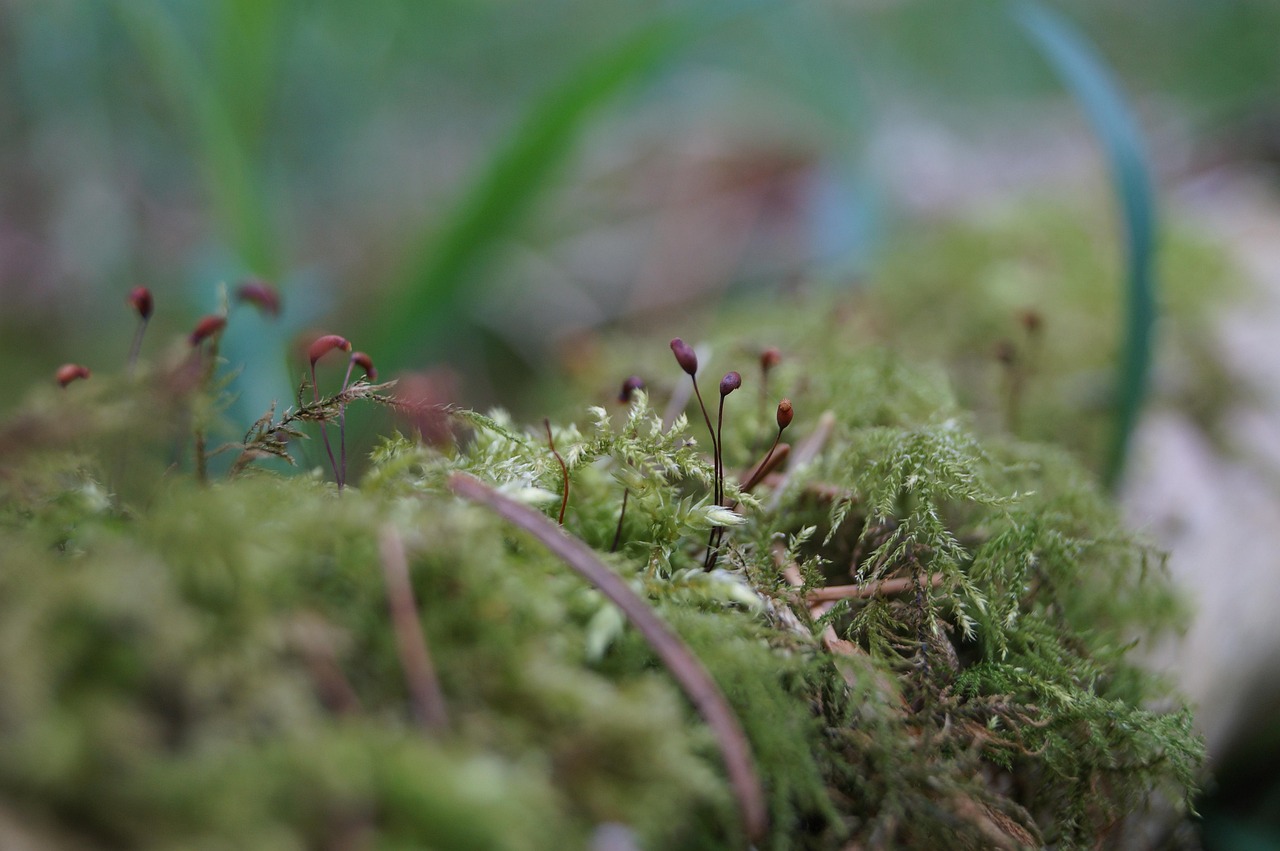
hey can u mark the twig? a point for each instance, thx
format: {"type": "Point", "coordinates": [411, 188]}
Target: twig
{"type": "Point", "coordinates": [419, 673]}
{"type": "Point", "coordinates": [679, 660]}
{"type": "Point", "coordinates": [880, 588]}
{"type": "Point", "coordinates": [834, 644]}
{"type": "Point", "coordinates": [312, 636]}
{"type": "Point", "coordinates": [564, 471]}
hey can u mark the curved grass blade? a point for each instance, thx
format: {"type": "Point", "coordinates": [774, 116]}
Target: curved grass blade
{"type": "Point", "coordinates": [685, 668]}
{"type": "Point", "coordinates": [1084, 72]}
{"type": "Point", "coordinates": [424, 304]}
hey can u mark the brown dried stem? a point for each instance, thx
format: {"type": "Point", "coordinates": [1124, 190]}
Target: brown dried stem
{"type": "Point", "coordinates": [419, 672]}
{"type": "Point", "coordinates": [679, 660]}
{"type": "Point", "coordinates": [879, 588]}
{"type": "Point", "coordinates": [314, 641]}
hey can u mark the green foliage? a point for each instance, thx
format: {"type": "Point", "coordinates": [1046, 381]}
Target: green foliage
{"type": "Point", "coordinates": [214, 666]}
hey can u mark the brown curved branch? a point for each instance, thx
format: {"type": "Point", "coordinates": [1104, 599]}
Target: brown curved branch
{"type": "Point", "coordinates": [678, 658]}
{"type": "Point", "coordinates": [419, 671]}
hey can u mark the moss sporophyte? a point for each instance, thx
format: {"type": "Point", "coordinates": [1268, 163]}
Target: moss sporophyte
{"type": "Point", "coordinates": [893, 632]}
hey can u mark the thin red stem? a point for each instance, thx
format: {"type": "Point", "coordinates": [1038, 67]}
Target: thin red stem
{"type": "Point", "coordinates": [342, 427]}
{"type": "Point", "coordinates": [715, 447]}
{"type": "Point", "coordinates": [713, 540]}
{"type": "Point", "coordinates": [136, 346]}
{"type": "Point", "coordinates": [715, 456]}
{"type": "Point", "coordinates": [764, 465]}
{"type": "Point", "coordinates": [324, 432]}
{"type": "Point", "coordinates": [564, 470]}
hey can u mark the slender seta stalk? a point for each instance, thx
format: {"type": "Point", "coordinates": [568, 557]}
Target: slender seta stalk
{"type": "Point", "coordinates": [318, 349]}
{"type": "Point", "coordinates": [208, 328]}
{"type": "Point", "coordinates": [140, 300]}
{"type": "Point", "coordinates": [564, 471]}
{"type": "Point", "coordinates": [785, 415]}
{"type": "Point", "coordinates": [365, 362]}
{"type": "Point", "coordinates": [731, 382]}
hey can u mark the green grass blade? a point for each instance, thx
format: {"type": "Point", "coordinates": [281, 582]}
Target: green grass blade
{"type": "Point", "coordinates": [193, 98]}
{"type": "Point", "coordinates": [245, 64]}
{"type": "Point", "coordinates": [1084, 72]}
{"type": "Point", "coordinates": [422, 307]}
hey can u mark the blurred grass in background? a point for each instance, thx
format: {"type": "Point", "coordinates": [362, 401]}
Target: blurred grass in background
{"type": "Point", "coordinates": [475, 182]}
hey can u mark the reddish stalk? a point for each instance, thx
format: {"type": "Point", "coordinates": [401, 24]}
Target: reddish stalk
{"type": "Point", "coordinates": [731, 382]}
{"type": "Point", "coordinates": [684, 666]}
{"type": "Point", "coordinates": [370, 372]}
{"type": "Point", "coordinates": [318, 349]}
{"type": "Point", "coordinates": [208, 328]}
{"type": "Point", "coordinates": [804, 453]}
{"type": "Point", "coordinates": [777, 456]}
{"type": "Point", "coordinates": [564, 472]}
{"type": "Point", "coordinates": [785, 415]}
{"type": "Point", "coordinates": [140, 300]}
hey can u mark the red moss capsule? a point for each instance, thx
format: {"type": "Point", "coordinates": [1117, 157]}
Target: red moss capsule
{"type": "Point", "coordinates": [323, 345]}
{"type": "Point", "coordinates": [685, 356]}
{"type": "Point", "coordinates": [731, 382]}
{"type": "Point", "coordinates": [261, 295]}
{"type": "Point", "coordinates": [207, 327]}
{"type": "Point", "coordinates": [140, 300]}
{"type": "Point", "coordinates": [629, 388]}
{"type": "Point", "coordinates": [365, 362]}
{"type": "Point", "coordinates": [784, 414]}
{"type": "Point", "coordinates": [70, 372]}
{"type": "Point", "coordinates": [770, 358]}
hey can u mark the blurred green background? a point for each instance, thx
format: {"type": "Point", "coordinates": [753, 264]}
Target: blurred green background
{"type": "Point", "coordinates": [476, 182]}
{"type": "Point", "coordinates": [482, 187]}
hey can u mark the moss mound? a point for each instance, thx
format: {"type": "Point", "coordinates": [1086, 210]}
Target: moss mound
{"type": "Point", "coordinates": [924, 633]}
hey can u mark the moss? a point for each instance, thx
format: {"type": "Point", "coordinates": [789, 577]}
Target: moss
{"type": "Point", "coordinates": [214, 666]}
